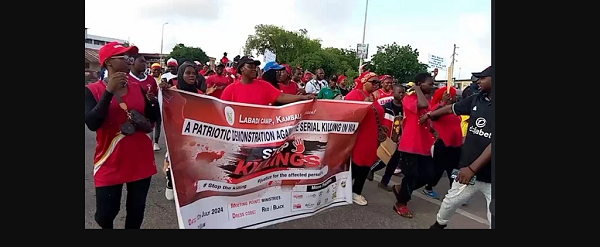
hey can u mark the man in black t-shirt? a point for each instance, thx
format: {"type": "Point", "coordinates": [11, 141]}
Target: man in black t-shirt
{"type": "Point", "coordinates": [475, 163]}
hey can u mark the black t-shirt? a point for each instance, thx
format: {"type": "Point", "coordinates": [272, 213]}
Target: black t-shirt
{"type": "Point", "coordinates": [344, 91]}
{"type": "Point", "coordinates": [479, 133]}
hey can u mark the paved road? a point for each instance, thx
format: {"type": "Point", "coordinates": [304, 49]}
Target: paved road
{"type": "Point", "coordinates": [160, 213]}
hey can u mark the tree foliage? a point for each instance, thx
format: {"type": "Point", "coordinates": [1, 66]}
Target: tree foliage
{"type": "Point", "coordinates": [194, 53]}
{"type": "Point", "coordinates": [298, 49]}
{"type": "Point", "coordinates": [401, 62]}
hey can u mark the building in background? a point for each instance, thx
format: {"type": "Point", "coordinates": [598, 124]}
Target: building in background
{"type": "Point", "coordinates": [460, 83]}
{"type": "Point", "coordinates": [96, 42]}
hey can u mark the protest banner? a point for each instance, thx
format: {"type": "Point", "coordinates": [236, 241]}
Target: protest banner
{"type": "Point", "coordinates": [247, 166]}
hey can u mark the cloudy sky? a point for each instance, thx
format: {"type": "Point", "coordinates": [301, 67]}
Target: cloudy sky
{"type": "Point", "coordinates": [431, 26]}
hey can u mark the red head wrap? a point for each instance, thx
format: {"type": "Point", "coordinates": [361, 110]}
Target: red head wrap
{"type": "Point", "coordinates": [437, 95]}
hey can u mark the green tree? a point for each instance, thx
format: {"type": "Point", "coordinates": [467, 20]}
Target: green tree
{"type": "Point", "coordinates": [399, 61]}
{"type": "Point", "coordinates": [287, 45]}
{"type": "Point", "coordinates": [193, 53]}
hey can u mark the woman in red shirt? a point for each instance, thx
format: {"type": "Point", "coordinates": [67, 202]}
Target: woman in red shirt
{"type": "Point", "coordinates": [285, 81]}
{"type": "Point", "coordinates": [364, 154]}
{"type": "Point", "coordinates": [120, 158]}
{"type": "Point", "coordinates": [249, 90]}
{"type": "Point", "coordinates": [446, 151]}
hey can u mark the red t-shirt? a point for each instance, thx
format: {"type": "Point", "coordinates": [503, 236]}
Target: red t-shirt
{"type": "Point", "coordinates": [449, 129]}
{"type": "Point", "coordinates": [416, 138]}
{"type": "Point", "coordinates": [148, 83]}
{"type": "Point", "coordinates": [383, 94]}
{"type": "Point", "coordinates": [218, 80]}
{"type": "Point", "coordinates": [365, 147]}
{"type": "Point", "coordinates": [291, 88]}
{"type": "Point", "coordinates": [120, 159]}
{"type": "Point", "coordinates": [258, 92]}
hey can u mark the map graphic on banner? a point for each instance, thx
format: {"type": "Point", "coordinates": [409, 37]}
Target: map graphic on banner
{"type": "Point", "coordinates": [436, 62]}
{"type": "Point", "coordinates": [247, 166]}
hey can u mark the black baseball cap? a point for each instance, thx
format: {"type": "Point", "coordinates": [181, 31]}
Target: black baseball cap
{"type": "Point", "coordinates": [247, 60]}
{"type": "Point", "coordinates": [486, 72]}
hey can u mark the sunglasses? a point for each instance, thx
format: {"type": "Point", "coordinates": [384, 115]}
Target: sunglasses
{"type": "Point", "coordinates": [125, 57]}
{"type": "Point", "coordinates": [374, 82]}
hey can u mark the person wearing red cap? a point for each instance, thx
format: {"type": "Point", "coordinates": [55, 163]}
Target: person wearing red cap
{"type": "Point", "coordinates": [385, 94]}
{"type": "Point", "coordinates": [415, 144]}
{"type": "Point", "coordinates": [364, 153]}
{"type": "Point", "coordinates": [123, 150]}
{"type": "Point", "coordinates": [286, 85]}
{"type": "Point", "coordinates": [342, 85]}
{"type": "Point", "coordinates": [447, 147]}
{"type": "Point", "coordinates": [250, 90]}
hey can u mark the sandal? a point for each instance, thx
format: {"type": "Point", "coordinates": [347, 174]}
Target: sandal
{"type": "Point", "coordinates": [403, 211]}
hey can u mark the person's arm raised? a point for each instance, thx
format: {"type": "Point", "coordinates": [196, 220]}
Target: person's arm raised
{"type": "Point", "coordinates": [421, 99]}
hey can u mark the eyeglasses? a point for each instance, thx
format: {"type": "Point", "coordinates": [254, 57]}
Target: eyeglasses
{"type": "Point", "coordinates": [374, 82]}
{"type": "Point", "coordinates": [125, 57]}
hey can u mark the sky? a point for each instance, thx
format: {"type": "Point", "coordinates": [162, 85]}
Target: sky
{"type": "Point", "coordinates": [217, 26]}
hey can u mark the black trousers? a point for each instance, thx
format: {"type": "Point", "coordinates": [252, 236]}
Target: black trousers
{"type": "Point", "coordinates": [445, 159]}
{"type": "Point", "coordinates": [418, 171]}
{"type": "Point", "coordinates": [359, 174]}
{"type": "Point", "coordinates": [157, 126]}
{"type": "Point", "coordinates": [389, 170]}
{"type": "Point", "coordinates": [108, 204]}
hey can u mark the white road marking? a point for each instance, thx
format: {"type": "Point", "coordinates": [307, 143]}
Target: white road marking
{"type": "Point", "coordinates": [436, 202]}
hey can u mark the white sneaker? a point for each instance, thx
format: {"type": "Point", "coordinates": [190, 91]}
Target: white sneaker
{"type": "Point", "coordinates": [169, 194]}
{"type": "Point", "coordinates": [359, 199]}
{"type": "Point", "coordinates": [156, 147]}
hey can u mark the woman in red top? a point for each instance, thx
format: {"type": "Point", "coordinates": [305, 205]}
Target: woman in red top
{"type": "Point", "coordinates": [386, 88]}
{"type": "Point", "coordinates": [364, 154]}
{"type": "Point", "coordinates": [286, 85]}
{"type": "Point", "coordinates": [446, 151]}
{"type": "Point", "coordinates": [119, 159]}
{"type": "Point", "coordinates": [249, 90]}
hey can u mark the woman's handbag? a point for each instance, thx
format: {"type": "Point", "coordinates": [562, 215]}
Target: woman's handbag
{"type": "Point", "coordinates": [135, 120]}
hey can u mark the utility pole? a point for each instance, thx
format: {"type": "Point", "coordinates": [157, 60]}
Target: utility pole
{"type": "Point", "coordinates": [364, 32]}
{"type": "Point", "coordinates": [451, 69]}
{"type": "Point", "coordinates": [162, 35]}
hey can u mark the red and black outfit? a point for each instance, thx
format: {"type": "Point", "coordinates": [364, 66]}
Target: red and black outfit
{"type": "Point", "coordinates": [119, 159]}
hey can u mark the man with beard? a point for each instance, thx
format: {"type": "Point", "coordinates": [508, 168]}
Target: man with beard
{"type": "Point", "coordinates": [415, 144]}
{"type": "Point", "coordinates": [475, 172]}
{"type": "Point", "coordinates": [315, 85]}
{"type": "Point", "coordinates": [220, 81]}
{"type": "Point", "coordinates": [170, 75]}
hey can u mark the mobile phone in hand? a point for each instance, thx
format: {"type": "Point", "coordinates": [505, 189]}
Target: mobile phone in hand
{"type": "Point", "coordinates": [454, 175]}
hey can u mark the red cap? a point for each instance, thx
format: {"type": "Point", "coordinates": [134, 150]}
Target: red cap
{"type": "Point", "coordinates": [115, 48]}
{"type": "Point", "coordinates": [287, 69]}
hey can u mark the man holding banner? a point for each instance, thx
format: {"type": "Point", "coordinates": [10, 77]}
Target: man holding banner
{"type": "Point", "coordinates": [250, 90]}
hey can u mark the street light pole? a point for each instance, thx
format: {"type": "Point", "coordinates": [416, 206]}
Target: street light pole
{"type": "Point", "coordinates": [364, 32]}
{"type": "Point", "coordinates": [162, 35]}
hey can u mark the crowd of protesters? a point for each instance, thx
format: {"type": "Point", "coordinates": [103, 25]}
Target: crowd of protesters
{"type": "Point", "coordinates": [433, 130]}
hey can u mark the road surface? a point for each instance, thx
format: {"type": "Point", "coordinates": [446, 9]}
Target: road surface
{"type": "Point", "coordinates": [160, 213]}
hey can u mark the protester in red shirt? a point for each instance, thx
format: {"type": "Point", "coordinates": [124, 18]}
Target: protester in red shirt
{"type": "Point", "coordinates": [364, 154]}
{"type": "Point", "coordinates": [252, 91]}
{"type": "Point", "coordinates": [415, 143]}
{"type": "Point", "coordinates": [224, 60]}
{"type": "Point", "coordinates": [220, 81]}
{"type": "Point", "coordinates": [203, 70]}
{"type": "Point", "coordinates": [149, 85]}
{"type": "Point", "coordinates": [170, 75]}
{"type": "Point", "coordinates": [286, 85]}
{"type": "Point", "coordinates": [123, 151]}
{"type": "Point", "coordinates": [297, 78]}
{"type": "Point", "coordinates": [446, 151]}
{"type": "Point", "coordinates": [386, 88]}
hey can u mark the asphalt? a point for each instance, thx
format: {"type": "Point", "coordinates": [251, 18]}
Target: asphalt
{"type": "Point", "coordinates": [378, 214]}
